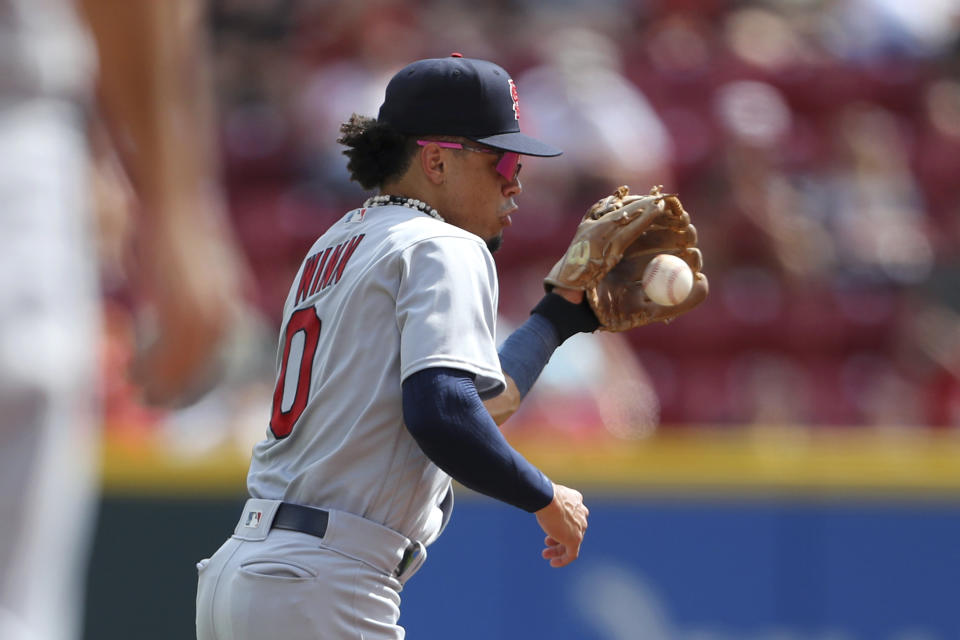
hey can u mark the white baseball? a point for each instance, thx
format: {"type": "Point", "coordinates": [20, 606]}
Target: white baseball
{"type": "Point", "coordinates": [667, 280]}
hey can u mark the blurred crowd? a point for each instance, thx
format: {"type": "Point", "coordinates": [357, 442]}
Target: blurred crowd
{"type": "Point", "coordinates": [816, 144]}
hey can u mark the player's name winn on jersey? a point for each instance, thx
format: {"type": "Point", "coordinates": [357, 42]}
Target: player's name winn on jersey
{"type": "Point", "coordinates": [325, 267]}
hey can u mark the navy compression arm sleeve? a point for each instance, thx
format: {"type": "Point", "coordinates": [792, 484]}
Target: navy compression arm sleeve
{"type": "Point", "coordinates": [528, 349]}
{"type": "Point", "coordinates": [444, 414]}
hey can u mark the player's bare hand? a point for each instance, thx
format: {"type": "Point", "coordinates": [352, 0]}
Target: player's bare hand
{"type": "Point", "coordinates": [564, 521]}
{"type": "Point", "coordinates": [196, 278]}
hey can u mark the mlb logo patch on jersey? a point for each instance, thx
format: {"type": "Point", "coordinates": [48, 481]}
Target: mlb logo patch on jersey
{"type": "Point", "coordinates": [253, 519]}
{"type": "Point", "coordinates": [356, 216]}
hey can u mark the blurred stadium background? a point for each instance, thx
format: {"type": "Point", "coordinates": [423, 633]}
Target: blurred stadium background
{"type": "Point", "coordinates": [781, 463]}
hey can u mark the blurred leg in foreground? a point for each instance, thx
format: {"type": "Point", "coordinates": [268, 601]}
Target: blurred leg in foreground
{"type": "Point", "coordinates": [152, 110]}
{"type": "Point", "coordinates": [48, 322]}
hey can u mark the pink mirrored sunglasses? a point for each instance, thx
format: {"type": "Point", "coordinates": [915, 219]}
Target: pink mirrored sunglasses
{"type": "Point", "coordinates": [508, 165]}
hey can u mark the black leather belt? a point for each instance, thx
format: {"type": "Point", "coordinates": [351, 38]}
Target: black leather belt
{"type": "Point", "coordinates": [297, 517]}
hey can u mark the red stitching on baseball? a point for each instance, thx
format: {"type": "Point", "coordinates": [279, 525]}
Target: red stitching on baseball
{"type": "Point", "coordinates": [650, 273]}
{"type": "Point", "coordinates": [671, 292]}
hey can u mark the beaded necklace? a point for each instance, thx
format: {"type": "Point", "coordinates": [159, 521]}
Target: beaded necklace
{"type": "Point", "coordinates": [403, 201]}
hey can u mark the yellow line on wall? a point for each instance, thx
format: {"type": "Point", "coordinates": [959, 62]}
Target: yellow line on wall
{"type": "Point", "coordinates": [795, 460]}
{"type": "Point", "coordinates": [790, 460]}
{"type": "Point", "coordinates": [145, 468]}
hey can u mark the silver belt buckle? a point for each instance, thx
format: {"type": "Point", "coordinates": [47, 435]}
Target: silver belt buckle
{"type": "Point", "coordinates": [413, 558]}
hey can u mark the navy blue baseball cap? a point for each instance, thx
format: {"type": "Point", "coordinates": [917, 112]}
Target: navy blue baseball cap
{"type": "Point", "coordinates": [458, 96]}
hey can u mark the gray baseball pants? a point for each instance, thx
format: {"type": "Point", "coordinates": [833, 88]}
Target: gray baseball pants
{"type": "Point", "coordinates": [268, 583]}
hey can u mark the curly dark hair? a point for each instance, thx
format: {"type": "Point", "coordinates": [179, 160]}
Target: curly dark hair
{"type": "Point", "coordinates": [377, 153]}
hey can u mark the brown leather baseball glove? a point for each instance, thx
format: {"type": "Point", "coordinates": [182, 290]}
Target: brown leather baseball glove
{"type": "Point", "coordinates": [619, 235]}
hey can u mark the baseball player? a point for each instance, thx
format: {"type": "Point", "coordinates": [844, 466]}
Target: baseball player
{"type": "Point", "coordinates": [48, 320]}
{"type": "Point", "coordinates": [386, 356]}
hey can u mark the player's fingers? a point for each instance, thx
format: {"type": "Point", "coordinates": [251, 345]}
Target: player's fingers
{"type": "Point", "coordinates": [556, 551]}
{"type": "Point", "coordinates": [572, 554]}
{"type": "Point", "coordinates": [564, 553]}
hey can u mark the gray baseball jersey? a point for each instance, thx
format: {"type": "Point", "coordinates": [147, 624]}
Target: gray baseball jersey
{"type": "Point", "coordinates": [387, 291]}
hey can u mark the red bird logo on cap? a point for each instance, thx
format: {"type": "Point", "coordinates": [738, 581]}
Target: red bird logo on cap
{"type": "Point", "coordinates": [516, 99]}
